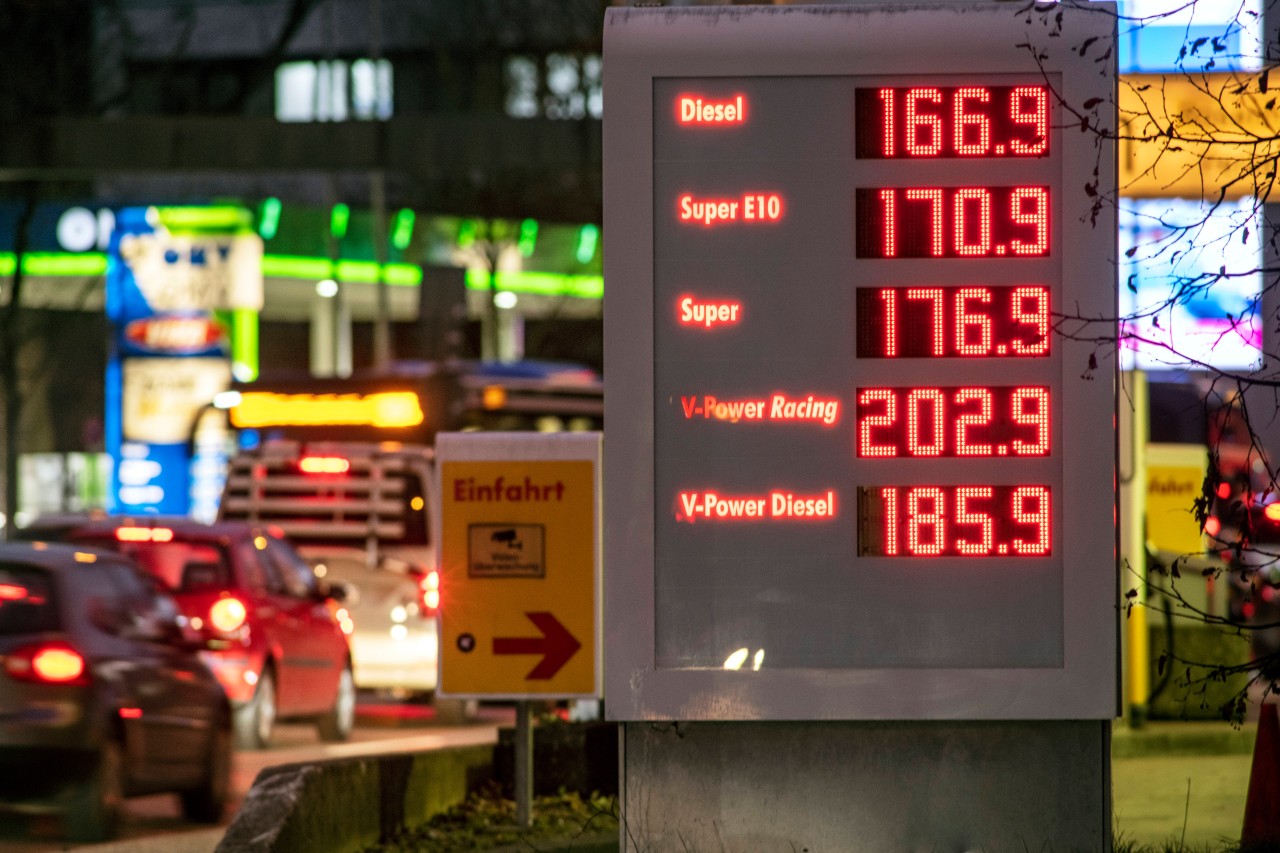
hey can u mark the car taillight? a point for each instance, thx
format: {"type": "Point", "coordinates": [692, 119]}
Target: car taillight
{"type": "Point", "coordinates": [324, 465]}
{"type": "Point", "coordinates": [51, 663]}
{"type": "Point", "coordinates": [429, 593]}
{"type": "Point", "coordinates": [228, 615]}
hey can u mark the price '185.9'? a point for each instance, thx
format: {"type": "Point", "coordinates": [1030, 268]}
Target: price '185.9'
{"type": "Point", "coordinates": [954, 521]}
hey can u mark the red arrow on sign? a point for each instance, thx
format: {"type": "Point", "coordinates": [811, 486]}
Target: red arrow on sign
{"type": "Point", "coordinates": [556, 645]}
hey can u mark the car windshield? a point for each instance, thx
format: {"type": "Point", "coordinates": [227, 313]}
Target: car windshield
{"type": "Point", "coordinates": [180, 567]}
{"type": "Point", "coordinates": [26, 600]}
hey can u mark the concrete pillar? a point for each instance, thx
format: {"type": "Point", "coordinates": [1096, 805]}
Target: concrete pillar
{"type": "Point", "coordinates": [866, 786]}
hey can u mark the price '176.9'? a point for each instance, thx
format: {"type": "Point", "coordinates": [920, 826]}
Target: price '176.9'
{"type": "Point", "coordinates": [954, 521]}
{"type": "Point", "coordinates": [953, 322]}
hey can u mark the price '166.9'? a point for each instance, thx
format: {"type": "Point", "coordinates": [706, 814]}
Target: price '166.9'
{"type": "Point", "coordinates": [958, 121]}
{"type": "Point", "coordinates": [954, 521]}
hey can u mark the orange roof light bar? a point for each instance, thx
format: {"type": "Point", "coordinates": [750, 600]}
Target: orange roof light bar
{"type": "Point", "coordinates": [144, 534]}
{"type": "Point", "coordinates": [387, 409]}
{"type": "Point", "coordinates": [324, 465]}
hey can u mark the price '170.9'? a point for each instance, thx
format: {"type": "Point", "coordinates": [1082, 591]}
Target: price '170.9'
{"type": "Point", "coordinates": [952, 222]}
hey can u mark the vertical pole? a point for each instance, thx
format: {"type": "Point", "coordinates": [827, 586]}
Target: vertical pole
{"type": "Point", "coordinates": [1134, 418]}
{"type": "Point", "coordinates": [524, 765]}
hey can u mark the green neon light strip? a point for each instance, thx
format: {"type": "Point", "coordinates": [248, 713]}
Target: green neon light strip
{"type": "Point", "coordinates": [205, 218]}
{"type": "Point", "coordinates": [244, 343]}
{"type": "Point", "coordinates": [55, 263]}
{"type": "Point", "coordinates": [315, 269]}
{"type": "Point", "coordinates": [540, 283]}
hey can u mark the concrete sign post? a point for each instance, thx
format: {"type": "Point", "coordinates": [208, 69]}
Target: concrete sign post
{"type": "Point", "coordinates": [861, 462]}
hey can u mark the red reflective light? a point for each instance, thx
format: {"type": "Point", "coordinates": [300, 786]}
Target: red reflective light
{"type": "Point", "coordinates": [429, 593]}
{"type": "Point", "coordinates": [144, 534]}
{"type": "Point", "coordinates": [324, 465]}
{"type": "Point", "coordinates": [130, 713]}
{"type": "Point", "coordinates": [55, 663]}
{"type": "Point", "coordinates": [1272, 512]}
{"type": "Point", "coordinates": [12, 592]}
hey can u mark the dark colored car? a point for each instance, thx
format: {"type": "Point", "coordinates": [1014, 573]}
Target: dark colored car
{"type": "Point", "coordinates": [273, 631]}
{"type": "Point", "coordinates": [101, 694]}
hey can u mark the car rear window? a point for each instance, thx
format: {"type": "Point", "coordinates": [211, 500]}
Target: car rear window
{"type": "Point", "coordinates": [26, 600]}
{"type": "Point", "coordinates": [181, 567]}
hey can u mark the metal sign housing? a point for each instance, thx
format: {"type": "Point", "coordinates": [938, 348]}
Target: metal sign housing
{"type": "Point", "coordinates": [861, 461]}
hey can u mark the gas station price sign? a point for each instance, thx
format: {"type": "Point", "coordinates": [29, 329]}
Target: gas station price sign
{"type": "Point", "coordinates": [858, 465]}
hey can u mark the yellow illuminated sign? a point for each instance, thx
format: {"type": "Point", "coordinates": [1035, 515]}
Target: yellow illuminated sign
{"type": "Point", "coordinates": [1175, 478]}
{"type": "Point", "coordinates": [1196, 135]}
{"type": "Point", "coordinates": [517, 578]}
{"type": "Point", "coordinates": [388, 409]}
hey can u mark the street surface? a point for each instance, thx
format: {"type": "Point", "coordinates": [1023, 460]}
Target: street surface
{"type": "Point", "coordinates": [155, 824]}
{"type": "Point", "coordinates": [1158, 798]}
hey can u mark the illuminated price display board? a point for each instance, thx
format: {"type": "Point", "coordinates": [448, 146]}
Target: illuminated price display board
{"type": "Point", "coordinates": [860, 459]}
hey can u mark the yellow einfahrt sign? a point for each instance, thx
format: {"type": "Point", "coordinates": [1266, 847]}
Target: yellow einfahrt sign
{"type": "Point", "coordinates": [519, 540]}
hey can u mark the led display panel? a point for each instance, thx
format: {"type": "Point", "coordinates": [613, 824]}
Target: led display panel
{"type": "Point", "coordinates": [857, 456]}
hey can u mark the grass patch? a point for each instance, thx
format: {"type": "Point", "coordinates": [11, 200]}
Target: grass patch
{"type": "Point", "coordinates": [487, 821]}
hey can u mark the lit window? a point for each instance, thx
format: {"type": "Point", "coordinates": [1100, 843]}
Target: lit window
{"type": "Point", "coordinates": [559, 86]}
{"type": "Point", "coordinates": [334, 91]}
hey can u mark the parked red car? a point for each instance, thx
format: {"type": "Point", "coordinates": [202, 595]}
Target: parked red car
{"type": "Point", "coordinates": [274, 631]}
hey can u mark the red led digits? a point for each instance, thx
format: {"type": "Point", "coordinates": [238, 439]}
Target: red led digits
{"type": "Point", "coordinates": [955, 521]}
{"type": "Point", "coordinates": [953, 322]}
{"type": "Point", "coordinates": [952, 222]}
{"type": "Point", "coordinates": [978, 417]}
{"type": "Point", "coordinates": [972, 232]}
{"type": "Point", "coordinates": [925, 412]}
{"type": "Point", "coordinates": [1031, 409]}
{"type": "Point", "coordinates": [967, 322]}
{"type": "Point", "coordinates": [1037, 218]}
{"type": "Point", "coordinates": [1031, 510]}
{"type": "Point", "coordinates": [971, 130]}
{"type": "Point", "coordinates": [1029, 105]}
{"type": "Point", "coordinates": [967, 516]}
{"type": "Point", "coordinates": [1037, 317]}
{"type": "Point", "coordinates": [886, 401]}
{"type": "Point", "coordinates": [932, 297]}
{"type": "Point", "coordinates": [926, 122]}
{"type": "Point", "coordinates": [926, 521]}
{"type": "Point", "coordinates": [924, 129]}
{"type": "Point", "coordinates": [966, 422]}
